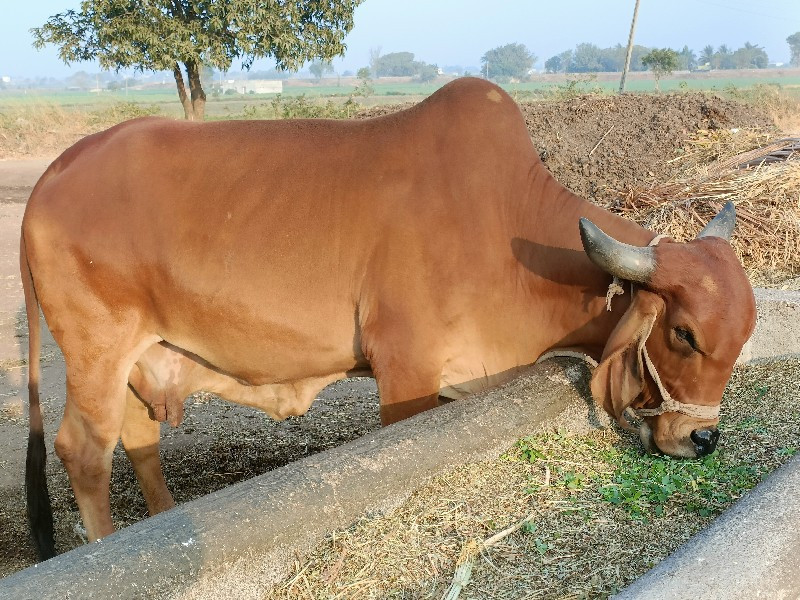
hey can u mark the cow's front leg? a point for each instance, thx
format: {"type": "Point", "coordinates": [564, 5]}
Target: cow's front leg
{"type": "Point", "coordinates": [140, 438]}
{"type": "Point", "coordinates": [394, 409]}
{"type": "Point", "coordinates": [406, 389]}
{"type": "Point", "coordinates": [404, 362]}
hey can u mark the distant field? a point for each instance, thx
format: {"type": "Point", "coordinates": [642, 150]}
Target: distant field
{"type": "Point", "coordinates": [45, 108]}
{"type": "Point", "coordinates": [392, 91]}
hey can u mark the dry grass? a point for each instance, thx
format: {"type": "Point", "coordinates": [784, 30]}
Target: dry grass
{"type": "Point", "coordinates": [767, 198]}
{"type": "Point", "coordinates": [782, 107]}
{"type": "Point", "coordinates": [579, 543]}
{"type": "Point", "coordinates": [44, 129]}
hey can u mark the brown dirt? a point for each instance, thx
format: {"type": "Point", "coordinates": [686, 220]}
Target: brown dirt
{"type": "Point", "coordinates": [220, 443]}
{"type": "Point", "coordinates": [642, 133]}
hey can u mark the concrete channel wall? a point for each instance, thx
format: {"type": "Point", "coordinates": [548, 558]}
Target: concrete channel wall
{"type": "Point", "coordinates": [234, 542]}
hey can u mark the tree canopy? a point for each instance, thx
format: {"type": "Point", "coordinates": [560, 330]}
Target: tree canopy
{"type": "Point", "coordinates": [395, 64]}
{"type": "Point", "coordinates": [794, 45]}
{"type": "Point", "coordinates": [750, 56]}
{"type": "Point", "coordinates": [505, 62]}
{"type": "Point", "coordinates": [589, 58]}
{"type": "Point", "coordinates": [661, 62]}
{"type": "Point", "coordinates": [163, 35]}
{"type": "Point", "coordinates": [319, 68]}
{"type": "Point", "coordinates": [401, 64]}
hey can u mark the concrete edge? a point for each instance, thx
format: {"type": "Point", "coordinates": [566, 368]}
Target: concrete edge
{"type": "Point", "coordinates": [258, 526]}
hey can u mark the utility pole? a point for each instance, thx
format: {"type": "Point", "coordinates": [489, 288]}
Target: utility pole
{"type": "Point", "coordinates": [630, 49]}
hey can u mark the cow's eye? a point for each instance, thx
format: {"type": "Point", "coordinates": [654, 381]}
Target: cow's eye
{"type": "Point", "coordinates": [686, 336]}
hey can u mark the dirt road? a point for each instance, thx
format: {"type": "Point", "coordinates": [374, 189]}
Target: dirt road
{"type": "Point", "coordinates": [217, 444]}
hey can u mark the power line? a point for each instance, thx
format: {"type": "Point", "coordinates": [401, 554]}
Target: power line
{"type": "Point", "coordinates": [743, 10]}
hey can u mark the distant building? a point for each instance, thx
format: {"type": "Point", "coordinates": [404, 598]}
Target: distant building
{"type": "Point", "coordinates": [5, 79]}
{"type": "Point", "coordinates": [257, 86]}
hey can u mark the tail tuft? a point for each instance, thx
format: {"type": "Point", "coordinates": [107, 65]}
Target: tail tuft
{"type": "Point", "coordinates": [40, 515]}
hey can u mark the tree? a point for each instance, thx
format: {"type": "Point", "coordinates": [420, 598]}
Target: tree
{"type": "Point", "coordinates": [374, 58]}
{"type": "Point", "coordinates": [566, 60]}
{"type": "Point", "coordinates": [426, 72]}
{"type": "Point", "coordinates": [319, 68]}
{"type": "Point", "coordinates": [505, 62]}
{"type": "Point", "coordinates": [661, 62]}
{"type": "Point", "coordinates": [750, 56]}
{"type": "Point", "coordinates": [163, 35]}
{"type": "Point", "coordinates": [395, 64]}
{"type": "Point", "coordinates": [81, 80]}
{"type": "Point", "coordinates": [585, 59]}
{"type": "Point", "coordinates": [687, 60]}
{"type": "Point", "coordinates": [723, 58]}
{"type": "Point", "coordinates": [707, 56]}
{"type": "Point", "coordinates": [794, 45]}
{"type": "Point", "coordinates": [554, 64]}
{"type": "Point", "coordinates": [558, 63]}
{"type": "Point", "coordinates": [612, 59]}
{"type": "Point", "coordinates": [364, 87]}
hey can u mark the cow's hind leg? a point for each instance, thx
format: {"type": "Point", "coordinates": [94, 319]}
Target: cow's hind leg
{"type": "Point", "coordinates": [85, 444]}
{"type": "Point", "coordinates": [140, 438]}
{"type": "Point", "coordinates": [97, 384]}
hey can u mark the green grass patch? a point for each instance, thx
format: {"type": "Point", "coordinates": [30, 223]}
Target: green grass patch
{"type": "Point", "coordinates": [643, 486]}
{"type": "Point", "coordinates": [760, 429]}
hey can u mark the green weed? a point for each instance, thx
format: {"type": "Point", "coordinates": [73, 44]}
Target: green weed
{"type": "Point", "coordinates": [644, 486]}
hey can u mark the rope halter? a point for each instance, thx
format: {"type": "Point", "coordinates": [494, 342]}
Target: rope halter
{"type": "Point", "coordinates": [668, 403]}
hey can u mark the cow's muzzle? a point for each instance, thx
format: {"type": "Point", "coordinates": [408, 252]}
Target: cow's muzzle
{"type": "Point", "coordinates": [705, 440]}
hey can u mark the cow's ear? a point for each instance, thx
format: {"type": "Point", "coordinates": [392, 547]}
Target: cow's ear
{"type": "Point", "coordinates": [619, 378]}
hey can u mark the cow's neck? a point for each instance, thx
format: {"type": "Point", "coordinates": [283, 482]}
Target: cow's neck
{"type": "Point", "coordinates": [568, 290]}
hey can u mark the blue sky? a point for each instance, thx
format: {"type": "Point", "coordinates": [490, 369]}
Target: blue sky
{"type": "Point", "coordinates": [458, 32]}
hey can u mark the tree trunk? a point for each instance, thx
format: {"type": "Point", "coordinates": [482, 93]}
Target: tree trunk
{"type": "Point", "coordinates": [188, 112]}
{"type": "Point", "coordinates": [196, 91]}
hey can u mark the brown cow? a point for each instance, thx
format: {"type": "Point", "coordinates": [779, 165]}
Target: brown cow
{"type": "Point", "coordinates": [429, 248]}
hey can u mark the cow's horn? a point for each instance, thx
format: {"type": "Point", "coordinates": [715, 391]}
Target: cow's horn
{"type": "Point", "coordinates": [614, 257]}
{"type": "Point", "coordinates": [722, 225]}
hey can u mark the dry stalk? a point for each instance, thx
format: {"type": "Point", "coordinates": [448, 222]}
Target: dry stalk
{"type": "Point", "coordinates": [471, 550]}
{"type": "Point", "coordinates": [767, 198]}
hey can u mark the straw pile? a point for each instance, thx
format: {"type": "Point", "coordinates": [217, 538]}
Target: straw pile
{"type": "Point", "coordinates": [761, 177]}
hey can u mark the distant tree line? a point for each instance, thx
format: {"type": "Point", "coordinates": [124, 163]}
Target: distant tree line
{"type": "Point", "coordinates": [588, 58]}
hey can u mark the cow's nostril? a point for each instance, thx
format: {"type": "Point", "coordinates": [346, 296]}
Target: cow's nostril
{"type": "Point", "coordinates": [705, 440]}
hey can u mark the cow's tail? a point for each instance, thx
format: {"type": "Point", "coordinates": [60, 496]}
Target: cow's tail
{"type": "Point", "coordinates": [40, 512]}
